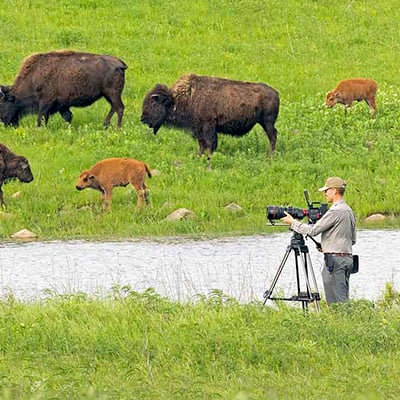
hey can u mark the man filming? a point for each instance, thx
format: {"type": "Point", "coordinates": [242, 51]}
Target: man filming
{"type": "Point", "coordinates": [338, 234]}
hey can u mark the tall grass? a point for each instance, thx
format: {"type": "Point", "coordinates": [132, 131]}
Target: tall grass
{"type": "Point", "coordinates": [133, 346]}
{"type": "Point", "coordinates": [302, 48]}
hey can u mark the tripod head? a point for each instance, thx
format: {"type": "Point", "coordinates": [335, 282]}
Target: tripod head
{"type": "Point", "coordinates": [297, 239]}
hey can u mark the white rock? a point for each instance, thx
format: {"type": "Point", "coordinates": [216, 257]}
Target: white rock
{"type": "Point", "coordinates": [233, 207]}
{"type": "Point", "coordinates": [180, 213]}
{"type": "Point", "coordinates": [375, 217]}
{"type": "Point", "coordinates": [24, 234]}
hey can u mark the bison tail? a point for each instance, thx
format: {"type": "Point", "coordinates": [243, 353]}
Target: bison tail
{"type": "Point", "coordinates": [148, 170]}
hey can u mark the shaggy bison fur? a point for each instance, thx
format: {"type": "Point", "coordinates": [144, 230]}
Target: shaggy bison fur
{"type": "Point", "coordinates": [350, 90]}
{"type": "Point", "coordinates": [207, 106]}
{"type": "Point", "coordinates": [112, 172]}
{"type": "Point", "coordinates": [53, 82]}
{"type": "Point", "coordinates": [13, 166]}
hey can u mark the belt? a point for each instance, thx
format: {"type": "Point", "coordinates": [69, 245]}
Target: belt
{"type": "Point", "coordinates": [340, 254]}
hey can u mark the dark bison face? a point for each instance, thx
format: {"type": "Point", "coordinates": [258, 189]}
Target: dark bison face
{"type": "Point", "coordinates": [23, 170]}
{"type": "Point", "coordinates": [8, 109]}
{"type": "Point", "coordinates": [156, 106]}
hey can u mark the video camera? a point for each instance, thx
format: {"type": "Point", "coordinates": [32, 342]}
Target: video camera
{"type": "Point", "coordinates": [314, 211]}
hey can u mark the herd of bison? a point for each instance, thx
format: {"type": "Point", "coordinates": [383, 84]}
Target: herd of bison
{"type": "Point", "coordinates": [50, 83]}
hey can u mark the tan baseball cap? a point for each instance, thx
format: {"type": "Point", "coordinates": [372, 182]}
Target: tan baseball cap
{"type": "Point", "coordinates": [333, 182]}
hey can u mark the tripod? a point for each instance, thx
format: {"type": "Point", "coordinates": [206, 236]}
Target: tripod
{"type": "Point", "coordinates": [310, 293]}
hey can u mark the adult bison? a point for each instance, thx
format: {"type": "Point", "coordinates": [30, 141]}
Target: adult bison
{"type": "Point", "coordinates": [13, 166]}
{"type": "Point", "coordinates": [207, 106]}
{"type": "Point", "coordinates": [350, 90]}
{"type": "Point", "coordinates": [53, 82]}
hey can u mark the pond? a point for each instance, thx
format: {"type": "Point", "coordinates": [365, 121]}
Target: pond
{"type": "Point", "coordinates": [241, 267]}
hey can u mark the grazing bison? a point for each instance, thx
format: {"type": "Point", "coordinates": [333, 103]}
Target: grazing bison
{"type": "Point", "coordinates": [207, 106]}
{"type": "Point", "coordinates": [13, 166]}
{"type": "Point", "coordinates": [53, 82]}
{"type": "Point", "coordinates": [112, 172]}
{"type": "Point", "coordinates": [350, 90]}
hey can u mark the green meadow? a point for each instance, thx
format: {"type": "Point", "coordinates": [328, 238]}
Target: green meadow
{"type": "Point", "coordinates": [141, 346]}
{"type": "Point", "coordinates": [128, 345]}
{"type": "Point", "coordinates": [301, 48]}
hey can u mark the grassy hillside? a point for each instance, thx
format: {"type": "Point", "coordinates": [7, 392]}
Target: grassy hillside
{"type": "Point", "coordinates": [301, 48]}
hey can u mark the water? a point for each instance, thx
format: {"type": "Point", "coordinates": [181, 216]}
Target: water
{"type": "Point", "coordinates": [242, 267]}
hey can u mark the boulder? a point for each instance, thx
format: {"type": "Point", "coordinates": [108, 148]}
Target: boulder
{"type": "Point", "coordinates": [24, 234]}
{"type": "Point", "coordinates": [233, 207]}
{"type": "Point", "coordinates": [375, 218]}
{"type": "Point", "coordinates": [180, 213]}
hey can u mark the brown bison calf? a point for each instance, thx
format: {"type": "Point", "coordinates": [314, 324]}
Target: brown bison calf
{"type": "Point", "coordinates": [351, 90]}
{"type": "Point", "coordinates": [112, 172]}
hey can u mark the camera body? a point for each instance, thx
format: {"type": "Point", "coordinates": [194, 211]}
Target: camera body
{"type": "Point", "coordinates": [314, 211]}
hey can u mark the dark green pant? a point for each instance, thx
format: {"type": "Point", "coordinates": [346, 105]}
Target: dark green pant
{"type": "Point", "coordinates": [336, 282]}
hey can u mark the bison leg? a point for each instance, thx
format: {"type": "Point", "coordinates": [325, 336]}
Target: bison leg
{"type": "Point", "coordinates": [66, 115]}
{"type": "Point", "coordinates": [272, 134]}
{"type": "Point", "coordinates": [44, 113]}
{"type": "Point", "coordinates": [372, 105]}
{"type": "Point", "coordinates": [106, 197]}
{"type": "Point", "coordinates": [208, 140]}
{"type": "Point", "coordinates": [2, 204]}
{"type": "Point", "coordinates": [347, 106]}
{"type": "Point", "coordinates": [141, 190]}
{"type": "Point", "coordinates": [116, 106]}
{"type": "Point", "coordinates": [202, 147]}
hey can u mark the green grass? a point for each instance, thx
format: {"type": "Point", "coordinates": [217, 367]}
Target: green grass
{"type": "Point", "coordinates": [141, 346]}
{"type": "Point", "coordinates": [301, 48]}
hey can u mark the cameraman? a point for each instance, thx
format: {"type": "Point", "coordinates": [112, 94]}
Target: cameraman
{"type": "Point", "coordinates": [338, 234]}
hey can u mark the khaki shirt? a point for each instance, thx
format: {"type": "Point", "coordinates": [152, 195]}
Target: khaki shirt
{"type": "Point", "coordinates": [337, 227]}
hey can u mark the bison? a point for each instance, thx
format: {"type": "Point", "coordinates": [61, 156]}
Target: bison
{"type": "Point", "coordinates": [350, 90]}
{"type": "Point", "coordinates": [207, 106]}
{"type": "Point", "coordinates": [12, 166]}
{"type": "Point", "coordinates": [112, 172]}
{"type": "Point", "coordinates": [53, 82]}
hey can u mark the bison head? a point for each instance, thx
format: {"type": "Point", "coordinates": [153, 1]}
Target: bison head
{"type": "Point", "coordinates": [18, 167]}
{"type": "Point", "coordinates": [85, 180]}
{"type": "Point", "coordinates": [156, 106]}
{"type": "Point", "coordinates": [8, 107]}
{"type": "Point", "coordinates": [331, 98]}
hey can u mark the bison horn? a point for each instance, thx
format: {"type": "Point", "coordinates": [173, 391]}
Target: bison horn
{"type": "Point", "coordinates": [2, 93]}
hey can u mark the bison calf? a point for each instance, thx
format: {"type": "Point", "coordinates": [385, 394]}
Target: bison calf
{"type": "Point", "coordinates": [350, 90]}
{"type": "Point", "coordinates": [13, 166]}
{"type": "Point", "coordinates": [112, 172]}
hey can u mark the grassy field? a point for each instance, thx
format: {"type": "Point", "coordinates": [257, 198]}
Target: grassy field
{"type": "Point", "coordinates": [302, 49]}
{"type": "Point", "coordinates": [141, 346]}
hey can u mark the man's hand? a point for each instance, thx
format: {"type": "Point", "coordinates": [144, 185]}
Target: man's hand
{"type": "Point", "coordinates": [288, 219]}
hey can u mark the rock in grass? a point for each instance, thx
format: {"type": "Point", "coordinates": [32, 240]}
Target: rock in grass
{"type": "Point", "coordinates": [16, 195]}
{"type": "Point", "coordinates": [233, 207]}
{"type": "Point", "coordinates": [24, 234]}
{"type": "Point", "coordinates": [180, 213]}
{"type": "Point", "coordinates": [375, 218]}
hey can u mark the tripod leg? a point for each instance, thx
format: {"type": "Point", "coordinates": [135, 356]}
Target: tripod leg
{"type": "Point", "coordinates": [314, 281]}
{"type": "Point", "coordinates": [313, 295]}
{"type": "Point", "coordinates": [268, 293]}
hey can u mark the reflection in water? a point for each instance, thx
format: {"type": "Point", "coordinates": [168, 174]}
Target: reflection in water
{"type": "Point", "coordinates": [242, 267]}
